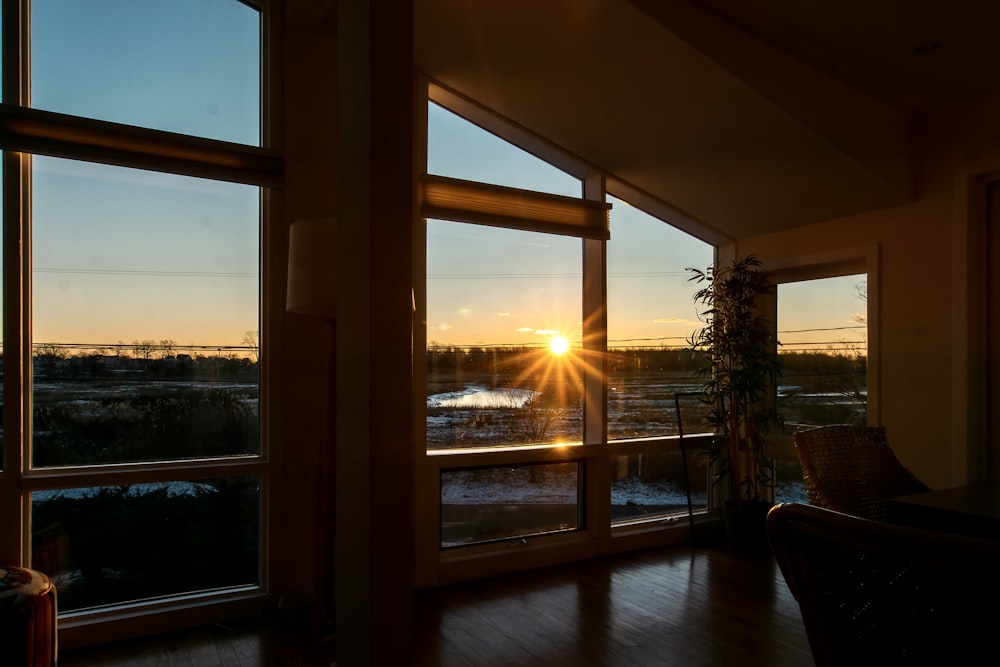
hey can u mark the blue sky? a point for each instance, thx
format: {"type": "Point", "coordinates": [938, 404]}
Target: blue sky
{"type": "Point", "coordinates": [124, 254]}
{"type": "Point", "coordinates": [190, 66]}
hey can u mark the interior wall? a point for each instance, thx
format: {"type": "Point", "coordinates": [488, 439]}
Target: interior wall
{"type": "Point", "coordinates": [916, 255]}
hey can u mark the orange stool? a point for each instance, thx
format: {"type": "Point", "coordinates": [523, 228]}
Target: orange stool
{"type": "Point", "coordinates": [28, 632]}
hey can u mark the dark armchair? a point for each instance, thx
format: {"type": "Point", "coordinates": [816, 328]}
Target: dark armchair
{"type": "Point", "coordinates": [872, 593]}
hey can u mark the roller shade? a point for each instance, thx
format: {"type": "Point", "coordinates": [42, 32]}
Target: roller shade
{"type": "Point", "coordinates": [470, 201]}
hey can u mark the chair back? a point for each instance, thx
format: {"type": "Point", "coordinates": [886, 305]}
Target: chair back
{"type": "Point", "coordinates": [852, 469]}
{"type": "Point", "coordinates": [872, 593]}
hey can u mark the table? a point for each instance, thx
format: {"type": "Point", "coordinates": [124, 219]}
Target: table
{"type": "Point", "coordinates": [972, 510]}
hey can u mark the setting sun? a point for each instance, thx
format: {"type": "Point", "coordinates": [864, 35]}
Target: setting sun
{"type": "Point", "coordinates": [558, 345]}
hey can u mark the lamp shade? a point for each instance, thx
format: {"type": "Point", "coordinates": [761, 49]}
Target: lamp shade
{"type": "Point", "coordinates": [312, 269]}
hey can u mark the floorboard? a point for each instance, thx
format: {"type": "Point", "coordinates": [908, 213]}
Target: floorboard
{"type": "Point", "coordinates": [676, 607]}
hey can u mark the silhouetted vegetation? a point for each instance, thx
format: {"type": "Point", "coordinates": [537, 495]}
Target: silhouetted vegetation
{"type": "Point", "coordinates": [154, 424]}
{"type": "Point", "coordinates": [106, 545]}
{"type": "Point", "coordinates": [820, 388]}
{"type": "Point", "coordinates": [817, 388]}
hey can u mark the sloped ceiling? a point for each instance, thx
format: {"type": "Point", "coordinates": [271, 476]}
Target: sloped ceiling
{"type": "Point", "coordinates": [687, 105]}
{"type": "Point", "coordinates": [917, 55]}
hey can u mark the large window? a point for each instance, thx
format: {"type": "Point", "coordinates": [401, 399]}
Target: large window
{"type": "Point", "coordinates": [505, 364]}
{"type": "Point", "coordinates": [139, 470]}
{"type": "Point", "coordinates": [555, 357]}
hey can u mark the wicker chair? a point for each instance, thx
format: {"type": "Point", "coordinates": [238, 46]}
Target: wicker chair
{"type": "Point", "coordinates": [872, 593]}
{"type": "Point", "coordinates": [852, 469]}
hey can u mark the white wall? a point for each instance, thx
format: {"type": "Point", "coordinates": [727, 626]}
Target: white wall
{"type": "Point", "coordinates": [918, 288]}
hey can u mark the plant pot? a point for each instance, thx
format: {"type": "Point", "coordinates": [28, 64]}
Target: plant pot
{"type": "Point", "coordinates": [745, 526]}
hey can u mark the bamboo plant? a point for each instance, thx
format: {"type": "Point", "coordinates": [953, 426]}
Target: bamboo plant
{"type": "Point", "coordinates": [741, 367]}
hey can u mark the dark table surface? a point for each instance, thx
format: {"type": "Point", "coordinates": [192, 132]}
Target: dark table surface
{"type": "Point", "coordinates": [966, 510]}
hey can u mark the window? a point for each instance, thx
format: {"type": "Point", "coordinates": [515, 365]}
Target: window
{"type": "Point", "coordinates": [823, 336]}
{"type": "Point", "coordinates": [141, 467]}
{"type": "Point", "coordinates": [187, 66]}
{"type": "Point", "coordinates": [554, 362]}
{"type": "Point", "coordinates": [144, 289]}
{"type": "Point", "coordinates": [460, 149]}
{"type": "Point", "coordinates": [498, 503]}
{"type": "Point", "coordinates": [503, 328]}
{"type": "Point", "coordinates": [652, 378]}
{"type": "Point", "coordinates": [505, 365]}
{"type": "Point", "coordinates": [823, 343]}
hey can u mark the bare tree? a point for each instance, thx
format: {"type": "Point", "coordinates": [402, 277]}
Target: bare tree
{"type": "Point", "coordinates": [167, 347]}
{"type": "Point", "coordinates": [48, 354]}
{"type": "Point", "coordinates": [861, 292]}
{"type": "Point", "coordinates": [49, 350]}
{"type": "Point", "coordinates": [252, 340]}
{"type": "Point", "coordinates": [143, 349]}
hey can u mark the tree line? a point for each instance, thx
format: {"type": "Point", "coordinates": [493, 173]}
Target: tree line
{"type": "Point", "coordinates": [794, 364]}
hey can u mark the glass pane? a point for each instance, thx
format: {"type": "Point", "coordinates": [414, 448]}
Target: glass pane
{"type": "Point", "coordinates": [823, 335]}
{"type": "Point", "coordinates": [647, 486]}
{"type": "Point", "coordinates": [508, 502]}
{"type": "Point", "coordinates": [188, 66]}
{"type": "Point", "coordinates": [460, 149]}
{"type": "Point", "coordinates": [144, 315]}
{"type": "Point", "coordinates": [113, 544]}
{"type": "Point", "coordinates": [503, 331]}
{"type": "Point", "coordinates": [651, 315]}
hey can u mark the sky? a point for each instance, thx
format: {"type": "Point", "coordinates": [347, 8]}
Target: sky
{"type": "Point", "coordinates": [120, 254]}
{"type": "Point", "coordinates": [491, 286]}
{"type": "Point", "coordinates": [124, 254]}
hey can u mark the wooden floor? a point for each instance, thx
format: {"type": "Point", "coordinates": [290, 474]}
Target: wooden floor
{"type": "Point", "coordinates": [666, 607]}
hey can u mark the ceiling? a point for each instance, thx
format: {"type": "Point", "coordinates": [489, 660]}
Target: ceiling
{"type": "Point", "coordinates": [744, 117]}
{"type": "Point", "coordinates": [917, 55]}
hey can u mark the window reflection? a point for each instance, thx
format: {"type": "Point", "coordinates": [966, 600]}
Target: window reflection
{"type": "Point", "coordinates": [114, 544]}
{"type": "Point", "coordinates": [507, 502]}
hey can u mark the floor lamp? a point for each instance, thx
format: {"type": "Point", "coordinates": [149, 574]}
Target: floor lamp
{"type": "Point", "coordinates": [312, 291]}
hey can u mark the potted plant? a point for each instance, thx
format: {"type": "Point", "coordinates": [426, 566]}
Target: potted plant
{"type": "Point", "coordinates": [741, 369]}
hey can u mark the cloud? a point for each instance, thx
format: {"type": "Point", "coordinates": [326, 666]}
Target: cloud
{"type": "Point", "coordinates": [445, 327]}
{"type": "Point", "coordinates": [525, 330]}
{"type": "Point", "coordinates": [546, 332]}
{"type": "Point", "coordinates": [503, 314]}
{"type": "Point", "coordinates": [672, 320]}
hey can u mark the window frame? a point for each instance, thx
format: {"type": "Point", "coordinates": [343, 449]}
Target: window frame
{"type": "Point", "coordinates": [25, 131]}
{"type": "Point", "coordinates": [832, 264]}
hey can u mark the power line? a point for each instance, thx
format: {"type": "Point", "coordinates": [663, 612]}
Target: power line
{"type": "Point", "coordinates": [142, 344]}
{"type": "Point", "coordinates": [845, 328]}
{"type": "Point", "coordinates": [636, 274]}
{"type": "Point", "coordinates": [146, 272]}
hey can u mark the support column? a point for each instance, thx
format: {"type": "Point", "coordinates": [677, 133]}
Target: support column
{"type": "Point", "coordinates": [374, 543]}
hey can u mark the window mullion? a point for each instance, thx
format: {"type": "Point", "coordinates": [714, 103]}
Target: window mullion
{"type": "Point", "coordinates": [13, 346]}
{"type": "Point", "coordinates": [57, 478]}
